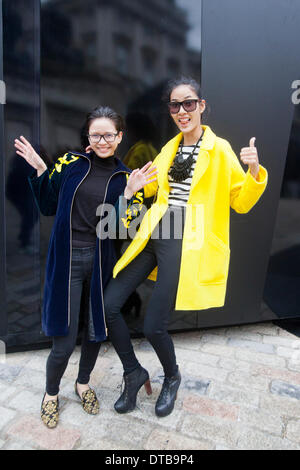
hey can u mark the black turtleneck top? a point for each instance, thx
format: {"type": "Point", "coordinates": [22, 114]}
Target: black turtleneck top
{"type": "Point", "coordinates": [88, 197]}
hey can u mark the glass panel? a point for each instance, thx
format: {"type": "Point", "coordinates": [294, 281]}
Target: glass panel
{"type": "Point", "coordinates": [282, 293]}
{"type": "Point", "coordinates": [21, 72]}
{"type": "Point", "coordinates": [117, 53]}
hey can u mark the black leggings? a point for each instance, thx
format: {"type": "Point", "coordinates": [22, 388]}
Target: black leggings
{"type": "Point", "coordinates": [63, 346]}
{"type": "Point", "coordinates": [166, 254]}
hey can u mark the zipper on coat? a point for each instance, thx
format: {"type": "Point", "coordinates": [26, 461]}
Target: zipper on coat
{"type": "Point", "coordinates": [101, 284]}
{"type": "Point", "coordinates": [70, 267]}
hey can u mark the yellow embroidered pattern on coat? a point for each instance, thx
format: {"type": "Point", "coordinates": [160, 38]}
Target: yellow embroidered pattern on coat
{"type": "Point", "coordinates": [134, 208]}
{"type": "Point", "coordinates": [65, 160]}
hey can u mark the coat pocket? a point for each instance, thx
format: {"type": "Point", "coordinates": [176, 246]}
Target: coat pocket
{"type": "Point", "coordinates": [213, 261]}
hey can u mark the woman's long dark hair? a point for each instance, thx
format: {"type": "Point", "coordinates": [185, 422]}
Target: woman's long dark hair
{"type": "Point", "coordinates": [100, 112]}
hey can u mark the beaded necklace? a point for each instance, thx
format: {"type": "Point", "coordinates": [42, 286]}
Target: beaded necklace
{"type": "Point", "coordinates": [181, 168]}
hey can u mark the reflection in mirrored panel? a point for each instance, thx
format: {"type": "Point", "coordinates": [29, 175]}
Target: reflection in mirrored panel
{"type": "Point", "coordinates": [121, 54]}
{"type": "Point", "coordinates": [282, 292]}
{"type": "Point", "coordinates": [21, 113]}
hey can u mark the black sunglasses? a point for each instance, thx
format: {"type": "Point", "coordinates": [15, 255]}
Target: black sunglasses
{"type": "Point", "coordinates": [188, 105]}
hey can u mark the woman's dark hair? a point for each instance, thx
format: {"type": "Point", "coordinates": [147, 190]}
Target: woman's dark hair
{"type": "Point", "coordinates": [100, 112]}
{"type": "Point", "coordinates": [183, 80]}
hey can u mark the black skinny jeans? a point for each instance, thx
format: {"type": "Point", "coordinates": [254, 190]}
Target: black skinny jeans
{"type": "Point", "coordinates": [63, 346]}
{"type": "Point", "coordinates": [166, 254]}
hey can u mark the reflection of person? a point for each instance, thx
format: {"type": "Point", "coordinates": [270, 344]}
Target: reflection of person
{"type": "Point", "coordinates": [18, 192]}
{"type": "Point", "coordinates": [199, 178]}
{"type": "Point", "coordinates": [77, 263]}
{"type": "Point", "coordinates": [141, 132]}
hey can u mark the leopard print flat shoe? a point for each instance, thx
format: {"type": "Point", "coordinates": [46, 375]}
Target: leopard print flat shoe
{"type": "Point", "coordinates": [49, 413]}
{"type": "Point", "coordinates": [89, 401]}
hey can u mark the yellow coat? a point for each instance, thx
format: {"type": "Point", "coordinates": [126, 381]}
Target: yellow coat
{"type": "Point", "coordinates": [219, 182]}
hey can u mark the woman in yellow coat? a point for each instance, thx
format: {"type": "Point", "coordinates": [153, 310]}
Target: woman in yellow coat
{"type": "Point", "coordinates": [198, 179]}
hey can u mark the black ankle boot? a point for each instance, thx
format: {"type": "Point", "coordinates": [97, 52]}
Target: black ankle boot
{"type": "Point", "coordinates": [133, 382]}
{"type": "Point", "coordinates": [166, 400]}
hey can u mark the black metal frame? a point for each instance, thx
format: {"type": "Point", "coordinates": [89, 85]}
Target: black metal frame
{"type": "Point", "coordinates": [3, 316]}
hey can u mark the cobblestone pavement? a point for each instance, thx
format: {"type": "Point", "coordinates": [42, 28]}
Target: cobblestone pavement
{"type": "Point", "coordinates": [240, 390]}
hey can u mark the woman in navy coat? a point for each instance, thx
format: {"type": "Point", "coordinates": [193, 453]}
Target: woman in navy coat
{"type": "Point", "coordinates": [79, 265]}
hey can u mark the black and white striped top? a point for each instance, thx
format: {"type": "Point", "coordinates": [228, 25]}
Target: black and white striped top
{"type": "Point", "coordinates": [179, 192]}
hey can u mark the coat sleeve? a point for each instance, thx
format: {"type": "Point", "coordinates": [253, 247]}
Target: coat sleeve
{"type": "Point", "coordinates": [46, 187]}
{"type": "Point", "coordinates": [151, 188]}
{"type": "Point", "coordinates": [245, 190]}
{"type": "Point", "coordinates": [128, 209]}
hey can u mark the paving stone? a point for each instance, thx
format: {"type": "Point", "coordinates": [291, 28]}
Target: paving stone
{"type": "Point", "coordinates": [26, 402]}
{"type": "Point", "coordinates": [109, 425]}
{"type": "Point", "coordinates": [214, 338]}
{"type": "Point", "coordinates": [145, 411]}
{"type": "Point", "coordinates": [206, 372]}
{"type": "Point", "coordinates": [9, 373]}
{"type": "Point", "coordinates": [252, 345]}
{"type": "Point", "coordinates": [248, 381]}
{"type": "Point", "coordinates": [287, 334]}
{"type": "Point", "coordinates": [74, 415]}
{"type": "Point", "coordinates": [293, 431]}
{"type": "Point", "coordinates": [218, 350]}
{"type": "Point", "coordinates": [281, 374]}
{"type": "Point", "coordinates": [36, 433]}
{"type": "Point", "coordinates": [261, 328]}
{"type": "Point", "coordinates": [163, 440]}
{"type": "Point", "coordinates": [33, 379]}
{"type": "Point", "coordinates": [37, 363]}
{"type": "Point", "coordinates": [260, 358]}
{"type": "Point", "coordinates": [184, 355]}
{"type": "Point", "coordinates": [235, 365]}
{"type": "Point", "coordinates": [191, 341]}
{"type": "Point", "coordinates": [210, 429]}
{"type": "Point", "coordinates": [287, 342]}
{"type": "Point", "coordinates": [285, 389]}
{"type": "Point", "coordinates": [6, 391]}
{"type": "Point", "coordinates": [251, 439]}
{"type": "Point", "coordinates": [244, 335]}
{"type": "Point", "coordinates": [6, 416]}
{"type": "Point", "coordinates": [104, 444]}
{"type": "Point", "coordinates": [1, 443]}
{"type": "Point", "coordinates": [285, 406]}
{"type": "Point", "coordinates": [208, 407]}
{"type": "Point", "coordinates": [229, 394]}
{"type": "Point", "coordinates": [188, 383]}
{"type": "Point", "coordinates": [288, 353]}
{"type": "Point", "coordinates": [17, 445]}
{"type": "Point", "coordinates": [294, 363]}
{"type": "Point", "coordinates": [263, 421]}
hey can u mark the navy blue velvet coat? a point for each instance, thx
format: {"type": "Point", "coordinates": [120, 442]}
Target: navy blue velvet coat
{"type": "Point", "coordinates": [54, 193]}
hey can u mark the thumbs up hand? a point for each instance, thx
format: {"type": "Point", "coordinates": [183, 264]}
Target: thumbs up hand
{"type": "Point", "coordinates": [249, 156]}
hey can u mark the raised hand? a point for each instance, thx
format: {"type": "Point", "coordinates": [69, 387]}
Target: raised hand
{"type": "Point", "coordinates": [249, 156]}
{"type": "Point", "coordinates": [25, 150]}
{"type": "Point", "coordinates": [139, 178]}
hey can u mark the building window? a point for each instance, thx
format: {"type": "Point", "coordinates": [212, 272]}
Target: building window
{"type": "Point", "coordinates": [149, 65]}
{"type": "Point", "coordinates": [123, 56]}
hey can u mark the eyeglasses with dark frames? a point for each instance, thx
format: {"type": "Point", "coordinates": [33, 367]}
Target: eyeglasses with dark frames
{"type": "Point", "coordinates": [109, 137]}
{"type": "Point", "coordinates": [188, 105]}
